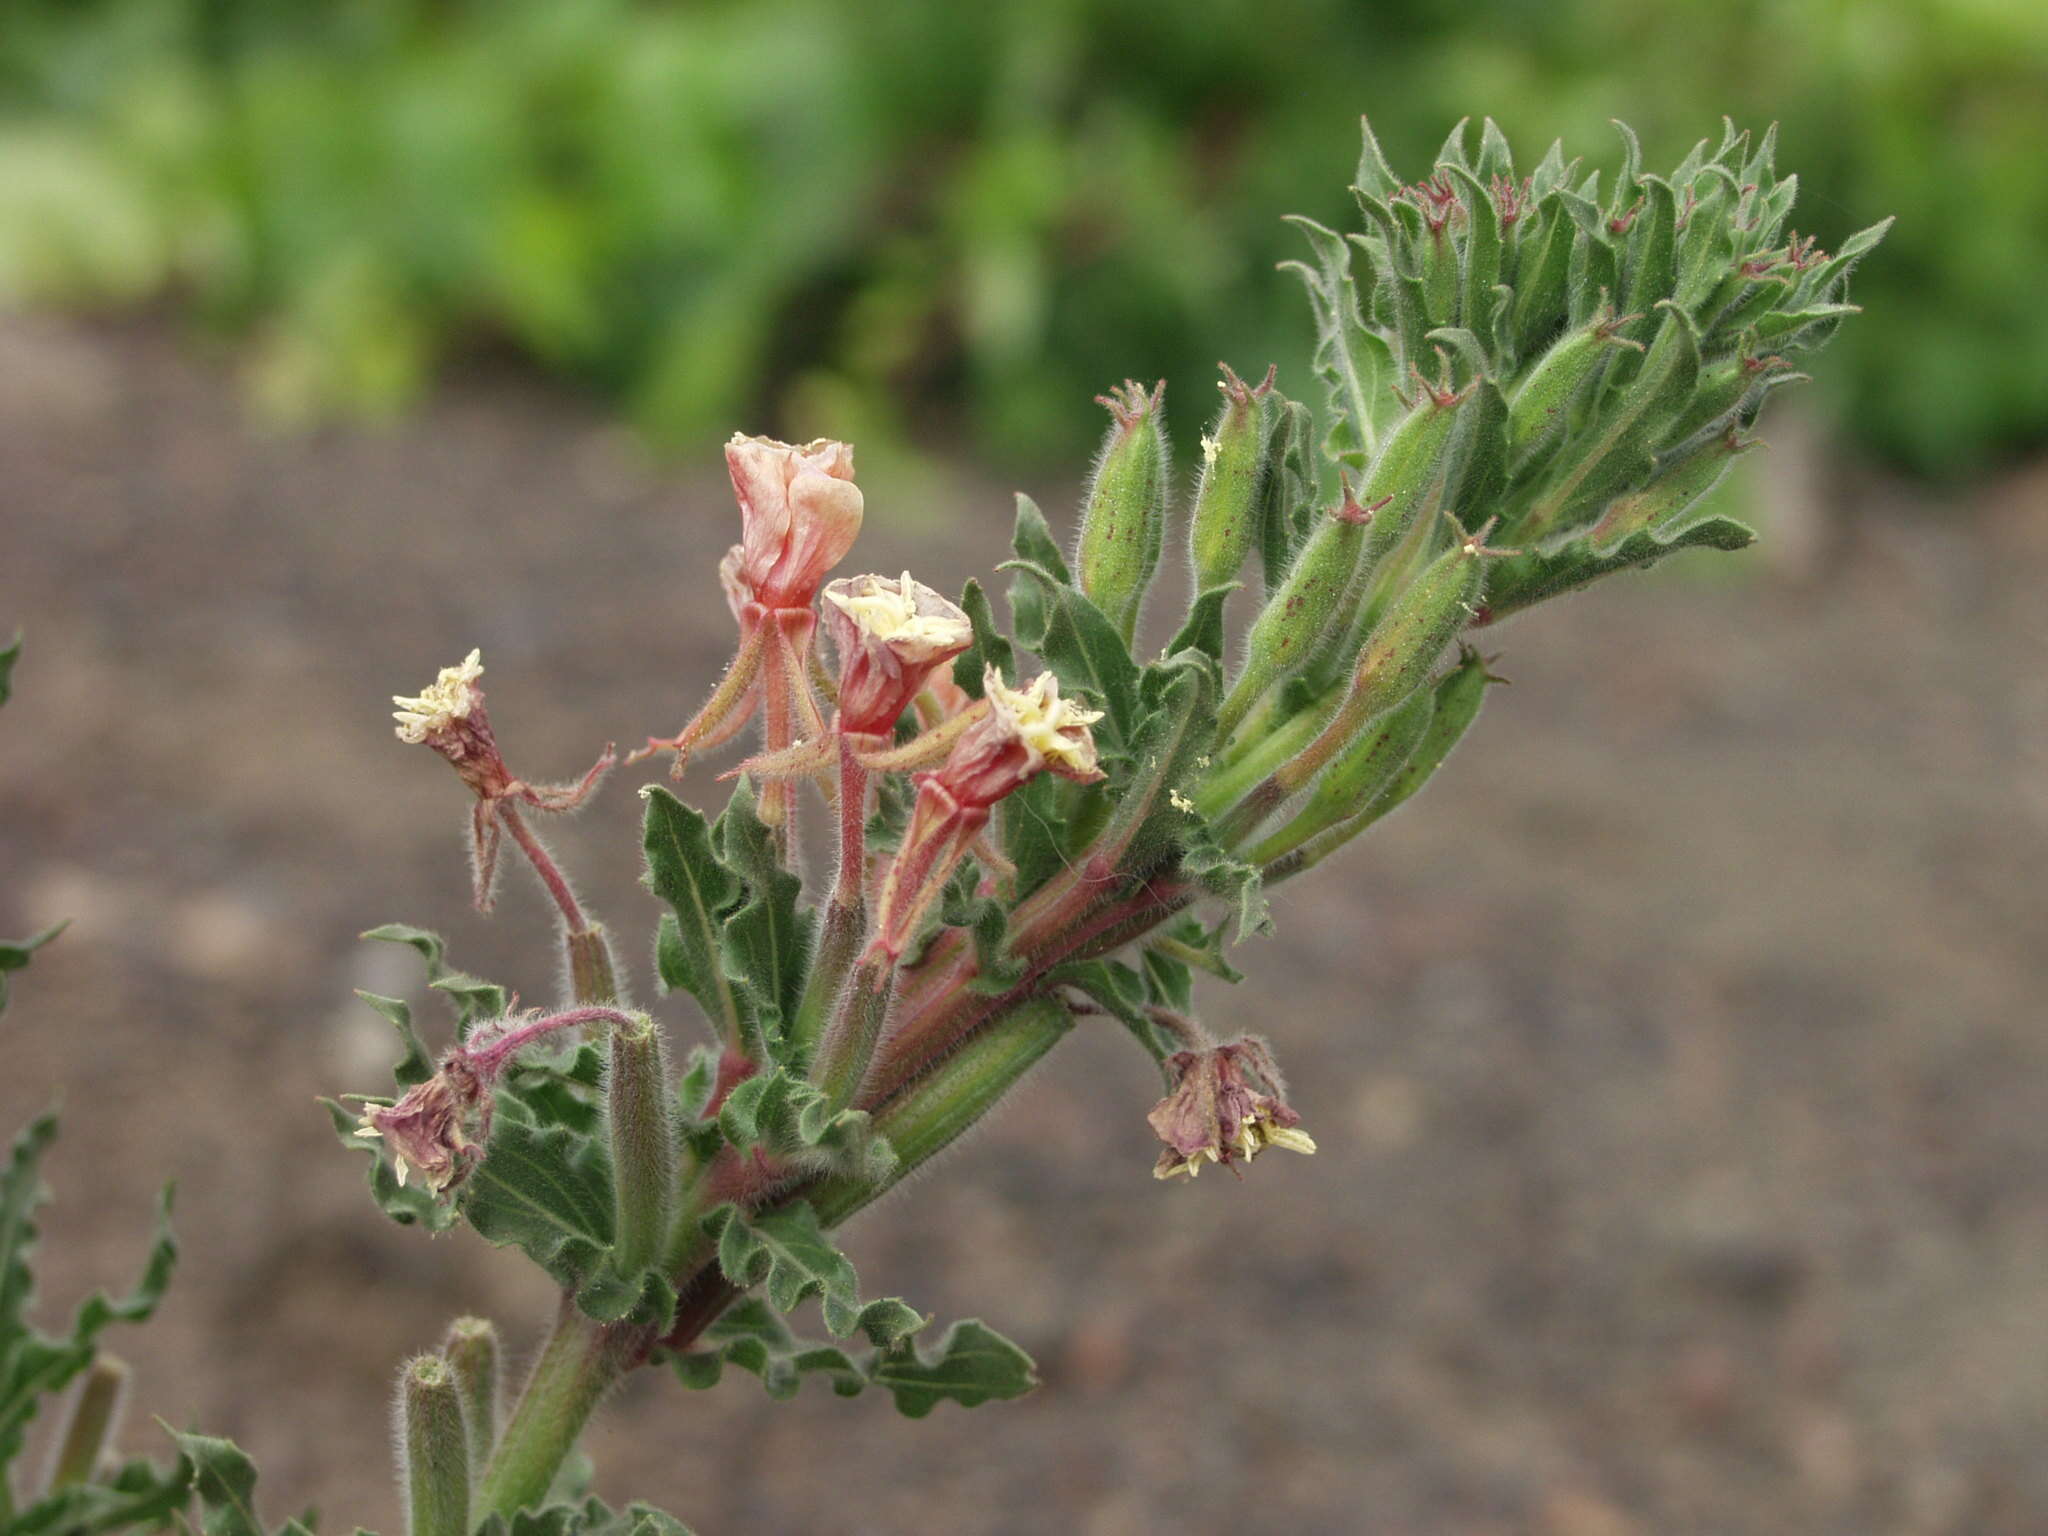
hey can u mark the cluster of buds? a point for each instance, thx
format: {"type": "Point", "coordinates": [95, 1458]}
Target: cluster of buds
{"type": "Point", "coordinates": [1227, 1106]}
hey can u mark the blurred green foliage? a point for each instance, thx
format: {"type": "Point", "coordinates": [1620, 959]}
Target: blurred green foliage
{"type": "Point", "coordinates": [917, 218]}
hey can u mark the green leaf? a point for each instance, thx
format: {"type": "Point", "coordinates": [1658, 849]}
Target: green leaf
{"type": "Point", "coordinates": [14, 953]}
{"type": "Point", "coordinates": [1081, 646]}
{"type": "Point", "coordinates": [783, 1113]}
{"type": "Point", "coordinates": [415, 1065]}
{"type": "Point", "coordinates": [1353, 360]}
{"type": "Point", "coordinates": [1223, 874]}
{"type": "Point", "coordinates": [34, 1364]}
{"type": "Point", "coordinates": [788, 1250]}
{"type": "Point", "coordinates": [1122, 992]}
{"type": "Point", "coordinates": [1517, 583]}
{"type": "Point", "coordinates": [754, 1337]}
{"type": "Point", "coordinates": [765, 945]}
{"type": "Point", "coordinates": [140, 1494]}
{"type": "Point", "coordinates": [1202, 630]}
{"type": "Point", "coordinates": [972, 1364]}
{"type": "Point", "coordinates": [224, 1479]}
{"type": "Point", "coordinates": [683, 871]}
{"type": "Point", "coordinates": [474, 1000]}
{"type": "Point", "coordinates": [990, 649]}
{"type": "Point", "coordinates": [1033, 542]}
{"type": "Point", "coordinates": [9, 655]}
{"type": "Point", "coordinates": [546, 1192]}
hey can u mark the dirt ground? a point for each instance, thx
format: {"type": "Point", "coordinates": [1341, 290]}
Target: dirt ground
{"type": "Point", "coordinates": [1678, 1062]}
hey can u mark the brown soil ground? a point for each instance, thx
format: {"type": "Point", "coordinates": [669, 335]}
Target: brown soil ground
{"type": "Point", "coordinates": [1679, 1062]}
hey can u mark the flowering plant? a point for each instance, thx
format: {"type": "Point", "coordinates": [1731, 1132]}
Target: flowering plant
{"type": "Point", "coordinates": [1526, 385]}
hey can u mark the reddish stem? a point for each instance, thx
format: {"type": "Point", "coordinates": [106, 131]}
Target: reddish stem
{"type": "Point", "coordinates": [543, 865]}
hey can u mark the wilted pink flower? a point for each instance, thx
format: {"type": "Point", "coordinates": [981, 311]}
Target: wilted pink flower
{"type": "Point", "coordinates": [449, 716]}
{"type": "Point", "coordinates": [890, 636]}
{"type": "Point", "coordinates": [799, 514]}
{"type": "Point", "coordinates": [424, 1129]}
{"type": "Point", "coordinates": [1021, 733]}
{"type": "Point", "coordinates": [1228, 1105]}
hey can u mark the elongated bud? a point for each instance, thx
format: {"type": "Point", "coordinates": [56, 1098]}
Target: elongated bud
{"type": "Point", "coordinates": [1305, 615]}
{"type": "Point", "coordinates": [1457, 698]}
{"type": "Point", "coordinates": [1399, 654]}
{"type": "Point", "coordinates": [1541, 404]}
{"type": "Point", "coordinates": [471, 1350]}
{"type": "Point", "coordinates": [1356, 777]}
{"type": "Point", "coordinates": [1234, 467]}
{"type": "Point", "coordinates": [1300, 617]}
{"type": "Point", "coordinates": [592, 977]}
{"type": "Point", "coordinates": [433, 1449]}
{"type": "Point", "coordinates": [1123, 523]}
{"type": "Point", "coordinates": [934, 1111]}
{"type": "Point", "coordinates": [640, 1114]}
{"type": "Point", "coordinates": [1667, 499]}
{"type": "Point", "coordinates": [97, 1405]}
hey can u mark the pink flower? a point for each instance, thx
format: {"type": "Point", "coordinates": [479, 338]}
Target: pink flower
{"type": "Point", "coordinates": [799, 514]}
{"type": "Point", "coordinates": [891, 636]}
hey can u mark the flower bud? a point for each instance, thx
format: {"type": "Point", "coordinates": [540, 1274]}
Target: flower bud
{"type": "Point", "coordinates": [799, 514]}
{"type": "Point", "coordinates": [639, 1111]}
{"type": "Point", "coordinates": [433, 1449]}
{"type": "Point", "coordinates": [1541, 404]}
{"type": "Point", "coordinates": [1123, 523]}
{"type": "Point", "coordinates": [472, 1352]}
{"type": "Point", "coordinates": [1227, 1106]}
{"type": "Point", "coordinates": [891, 637]}
{"type": "Point", "coordinates": [1234, 467]}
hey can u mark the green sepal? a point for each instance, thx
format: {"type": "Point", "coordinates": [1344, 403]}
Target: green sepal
{"type": "Point", "coordinates": [684, 871]}
{"type": "Point", "coordinates": [765, 945]}
{"type": "Point", "coordinates": [34, 1364]}
{"type": "Point", "coordinates": [991, 647]}
{"type": "Point", "coordinates": [788, 1250]}
{"type": "Point", "coordinates": [15, 953]}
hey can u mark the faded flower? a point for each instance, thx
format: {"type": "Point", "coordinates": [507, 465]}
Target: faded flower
{"type": "Point", "coordinates": [890, 636]}
{"type": "Point", "coordinates": [1227, 1106]}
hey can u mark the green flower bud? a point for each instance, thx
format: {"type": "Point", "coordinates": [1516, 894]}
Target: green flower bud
{"type": "Point", "coordinates": [1234, 467]}
{"type": "Point", "coordinates": [640, 1114]}
{"type": "Point", "coordinates": [1454, 705]}
{"type": "Point", "coordinates": [1401, 651]}
{"type": "Point", "coordinates": [1307, 614]}
{"type": "Point", "coordinates": [433, 1449]}
{"type": "Point", "coordinates": [96, 1409]}
{"type": "Point", "coordinates": [1541, 404]}
{"type": "Point", "coordinates": [1123, 524]}
{"type": "Point", "coordinates": [471, 1350]}
{"type": "Point", "coordinates": [1356, 777]}
{"type": "Point", "coordinates": [1665, 500]}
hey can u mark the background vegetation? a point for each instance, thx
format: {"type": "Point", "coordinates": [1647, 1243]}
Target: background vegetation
{"type": "Point", "coordinates": [949, 220]}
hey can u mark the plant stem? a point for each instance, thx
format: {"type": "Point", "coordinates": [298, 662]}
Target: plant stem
{"type": "Point", "coordinates": [543, 865]}
{"type": "Point", "coordinates": [578, 1365]}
